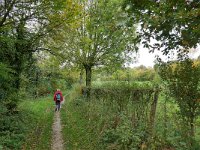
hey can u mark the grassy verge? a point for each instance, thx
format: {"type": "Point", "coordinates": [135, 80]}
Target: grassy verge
{"type": "Point", "coordinates": [76, 129]}
{"type": "Point", "coordinates": [95, 124]}
{"type": "Point", "coordinates": [39, 119]}
{"type": "Point", "coordinates": [197, 133]}
{"type": "Point", "coordinates": [79, 131]}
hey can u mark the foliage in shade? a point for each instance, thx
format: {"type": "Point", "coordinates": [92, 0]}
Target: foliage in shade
{"type": "Point", "coordinates": [174, 24]}
{"type": "Point", "coordinates": [182, 79]}
{"type": "Point", "coordinates": [23, 28]}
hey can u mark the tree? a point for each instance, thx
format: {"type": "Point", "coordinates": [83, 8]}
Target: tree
{"type": "Point", "coordinates": [16, 43]}
{"type": "Point", "coordinates": [23, 28]}
{"type": "Point", "coordinates": [24, 25]}
{"type": "Point", "coordinates": [18, 39]}
{"type": "Point", "coordinates": [182, 79]}
{"type": "Point", "coordinates": [174, 24]}
{"type": "Point", "coordinates": [99, 38]}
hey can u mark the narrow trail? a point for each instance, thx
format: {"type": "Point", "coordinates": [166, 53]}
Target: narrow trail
{"type": "Point", "coordinates": [57, 140]}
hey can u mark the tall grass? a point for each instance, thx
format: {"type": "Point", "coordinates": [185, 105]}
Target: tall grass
{"type": "Point", "coordinates": [78, 130]}
{"type": "Point", "coordinates": [39, 120]}
{"type": "Point", "coordinates": [29, 126]}
{"type": "Point", "coordinates": [98, 123]}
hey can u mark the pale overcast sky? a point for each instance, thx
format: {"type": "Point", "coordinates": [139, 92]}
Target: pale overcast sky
{"type": "Point", "coordinates": [147, 59]}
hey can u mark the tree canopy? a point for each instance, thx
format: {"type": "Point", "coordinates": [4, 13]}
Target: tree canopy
{"type": "Point", "coordinates": [175, 24]}
{"type": "Point", "coordinates": [99, 38]}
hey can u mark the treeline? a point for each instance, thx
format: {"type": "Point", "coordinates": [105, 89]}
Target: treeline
{"type": "Point", "coordinates": [140, 73]}
{"type": "Point", "coordinates": [24, 28]}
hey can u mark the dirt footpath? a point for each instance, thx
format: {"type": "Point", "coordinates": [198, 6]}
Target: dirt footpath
{"type": "Point", "coordinates": [57, 140]}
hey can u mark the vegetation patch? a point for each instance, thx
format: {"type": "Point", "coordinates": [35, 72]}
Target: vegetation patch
{"type": "Point", "coordinates": [39, 123]}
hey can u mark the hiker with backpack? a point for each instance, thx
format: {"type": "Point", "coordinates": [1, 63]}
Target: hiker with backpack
{"type": "Point", "coordinates": [58, 98]}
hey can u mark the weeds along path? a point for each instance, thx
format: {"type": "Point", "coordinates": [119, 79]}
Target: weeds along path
{"type": "Point", "coordinates": [38, 116]}
{"type": "Point", "coordinates": [79, 133]}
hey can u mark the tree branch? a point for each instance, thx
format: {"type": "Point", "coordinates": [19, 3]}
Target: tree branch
{"type": "Point", "coordinates": [7, 13]}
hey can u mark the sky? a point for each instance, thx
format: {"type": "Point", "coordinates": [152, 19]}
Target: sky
{"type": "Point", "coordinates": [147, 59]}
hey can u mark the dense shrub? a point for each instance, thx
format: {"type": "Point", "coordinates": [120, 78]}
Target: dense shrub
{"type": "Point", "coordinates": [12, 129]}
{"type": "Point", "coordinates": [121, 115]}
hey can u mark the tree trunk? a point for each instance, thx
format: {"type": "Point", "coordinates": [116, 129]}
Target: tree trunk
{"type": "Point", "coordinates": [17, 67]}
{"type": "Point", "coordinates": [165, 117]}
{"type": "Point", "coordinates": [36, 83]}
{"type": "Point", "coordinates": [153, 113]}
{"type": "Point", "coordinates": [191, 132]}
{"type": "Point", "coordinates": [192, 127]}
{"type": "Point", "coordinates": [192, 118]}
{"type": "Point", "coordinates": [17, 81]}
{"type": "Point", "coordinates": [88, 70]}
{"type": "Point", "coordinates": [18, 61]}
{"type": "Point", "coordinates": [81, 77]}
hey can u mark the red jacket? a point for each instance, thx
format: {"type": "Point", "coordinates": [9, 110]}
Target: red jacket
{"type": "Point", "coordinates": [54, 97]}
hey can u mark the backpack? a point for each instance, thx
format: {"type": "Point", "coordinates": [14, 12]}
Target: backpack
{"type": "Point", "coordinates": [58, 97]}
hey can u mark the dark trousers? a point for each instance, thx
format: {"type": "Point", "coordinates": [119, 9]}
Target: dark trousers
{"type": "Point", "coordinates": [57, 106]}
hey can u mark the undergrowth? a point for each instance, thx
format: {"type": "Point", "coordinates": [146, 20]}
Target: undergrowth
{"type": "Point", "coordinates": [28, 127]}
{"type": "Point", "coordinates": [98, 124]}
{"type": "Point", "coordinates": [39, 122]}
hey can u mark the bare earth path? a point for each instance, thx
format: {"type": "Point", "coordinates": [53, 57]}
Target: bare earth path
{"type": "Point", "coordinates": [57, 140]}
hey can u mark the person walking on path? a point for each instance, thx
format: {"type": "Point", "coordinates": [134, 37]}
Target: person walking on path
{"type": "Point", "coordinates": [58, 98]}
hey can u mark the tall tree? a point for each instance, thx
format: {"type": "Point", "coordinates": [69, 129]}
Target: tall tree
{"type": "Point", "coordinates": [23, 25]}
{"type": "Point", "coordinates": [23, 28]}
{"type": "Point", "coordinates": [99, 38]}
